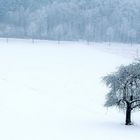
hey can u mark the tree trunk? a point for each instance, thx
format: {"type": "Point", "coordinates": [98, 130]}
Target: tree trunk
{"type": "Point", "coordinates": [7, 39]}
{"type": "Point", "coordinates": [128, 115]}
{"type": "Point", "coordinates": [33, 41]}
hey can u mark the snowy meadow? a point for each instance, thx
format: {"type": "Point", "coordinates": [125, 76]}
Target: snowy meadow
{"type": "Point", "coordinates": [51, 91]}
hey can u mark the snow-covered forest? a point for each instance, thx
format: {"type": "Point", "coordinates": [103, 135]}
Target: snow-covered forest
{"type": "Point", "coordinates": [91, 20]}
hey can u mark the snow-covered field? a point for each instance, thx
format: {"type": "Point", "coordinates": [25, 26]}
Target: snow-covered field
{"type": "Point", "coordinates": [51, 91]}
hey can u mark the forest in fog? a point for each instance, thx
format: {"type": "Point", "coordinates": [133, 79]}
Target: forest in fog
{"type": "Point", "coordinates": [91, 20]}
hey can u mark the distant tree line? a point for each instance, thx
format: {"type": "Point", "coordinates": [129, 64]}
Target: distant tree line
{"type": "Point", "coordinates": [91, 20]}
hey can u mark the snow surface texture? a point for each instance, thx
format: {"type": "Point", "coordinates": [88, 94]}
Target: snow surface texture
{"type": "Point", "coordinates": [51, 91]}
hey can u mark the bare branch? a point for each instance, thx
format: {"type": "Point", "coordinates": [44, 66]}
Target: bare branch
{"type": "Point", "coordinates": [123, 101]}
{"type": "Point", "coordinates": [138, 105]}
{"type": "Point", "coordinates": [137, 100]}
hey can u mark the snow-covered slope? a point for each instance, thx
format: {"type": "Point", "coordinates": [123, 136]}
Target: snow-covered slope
{"type": "Point", "coordinates": [51, 91]}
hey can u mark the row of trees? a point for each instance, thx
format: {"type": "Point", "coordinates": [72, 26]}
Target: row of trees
{"type": "Point", "coordinates": [91, 20]}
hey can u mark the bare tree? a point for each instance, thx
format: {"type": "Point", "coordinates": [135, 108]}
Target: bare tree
{"type": "Point", "coordinates": [110, 34]}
